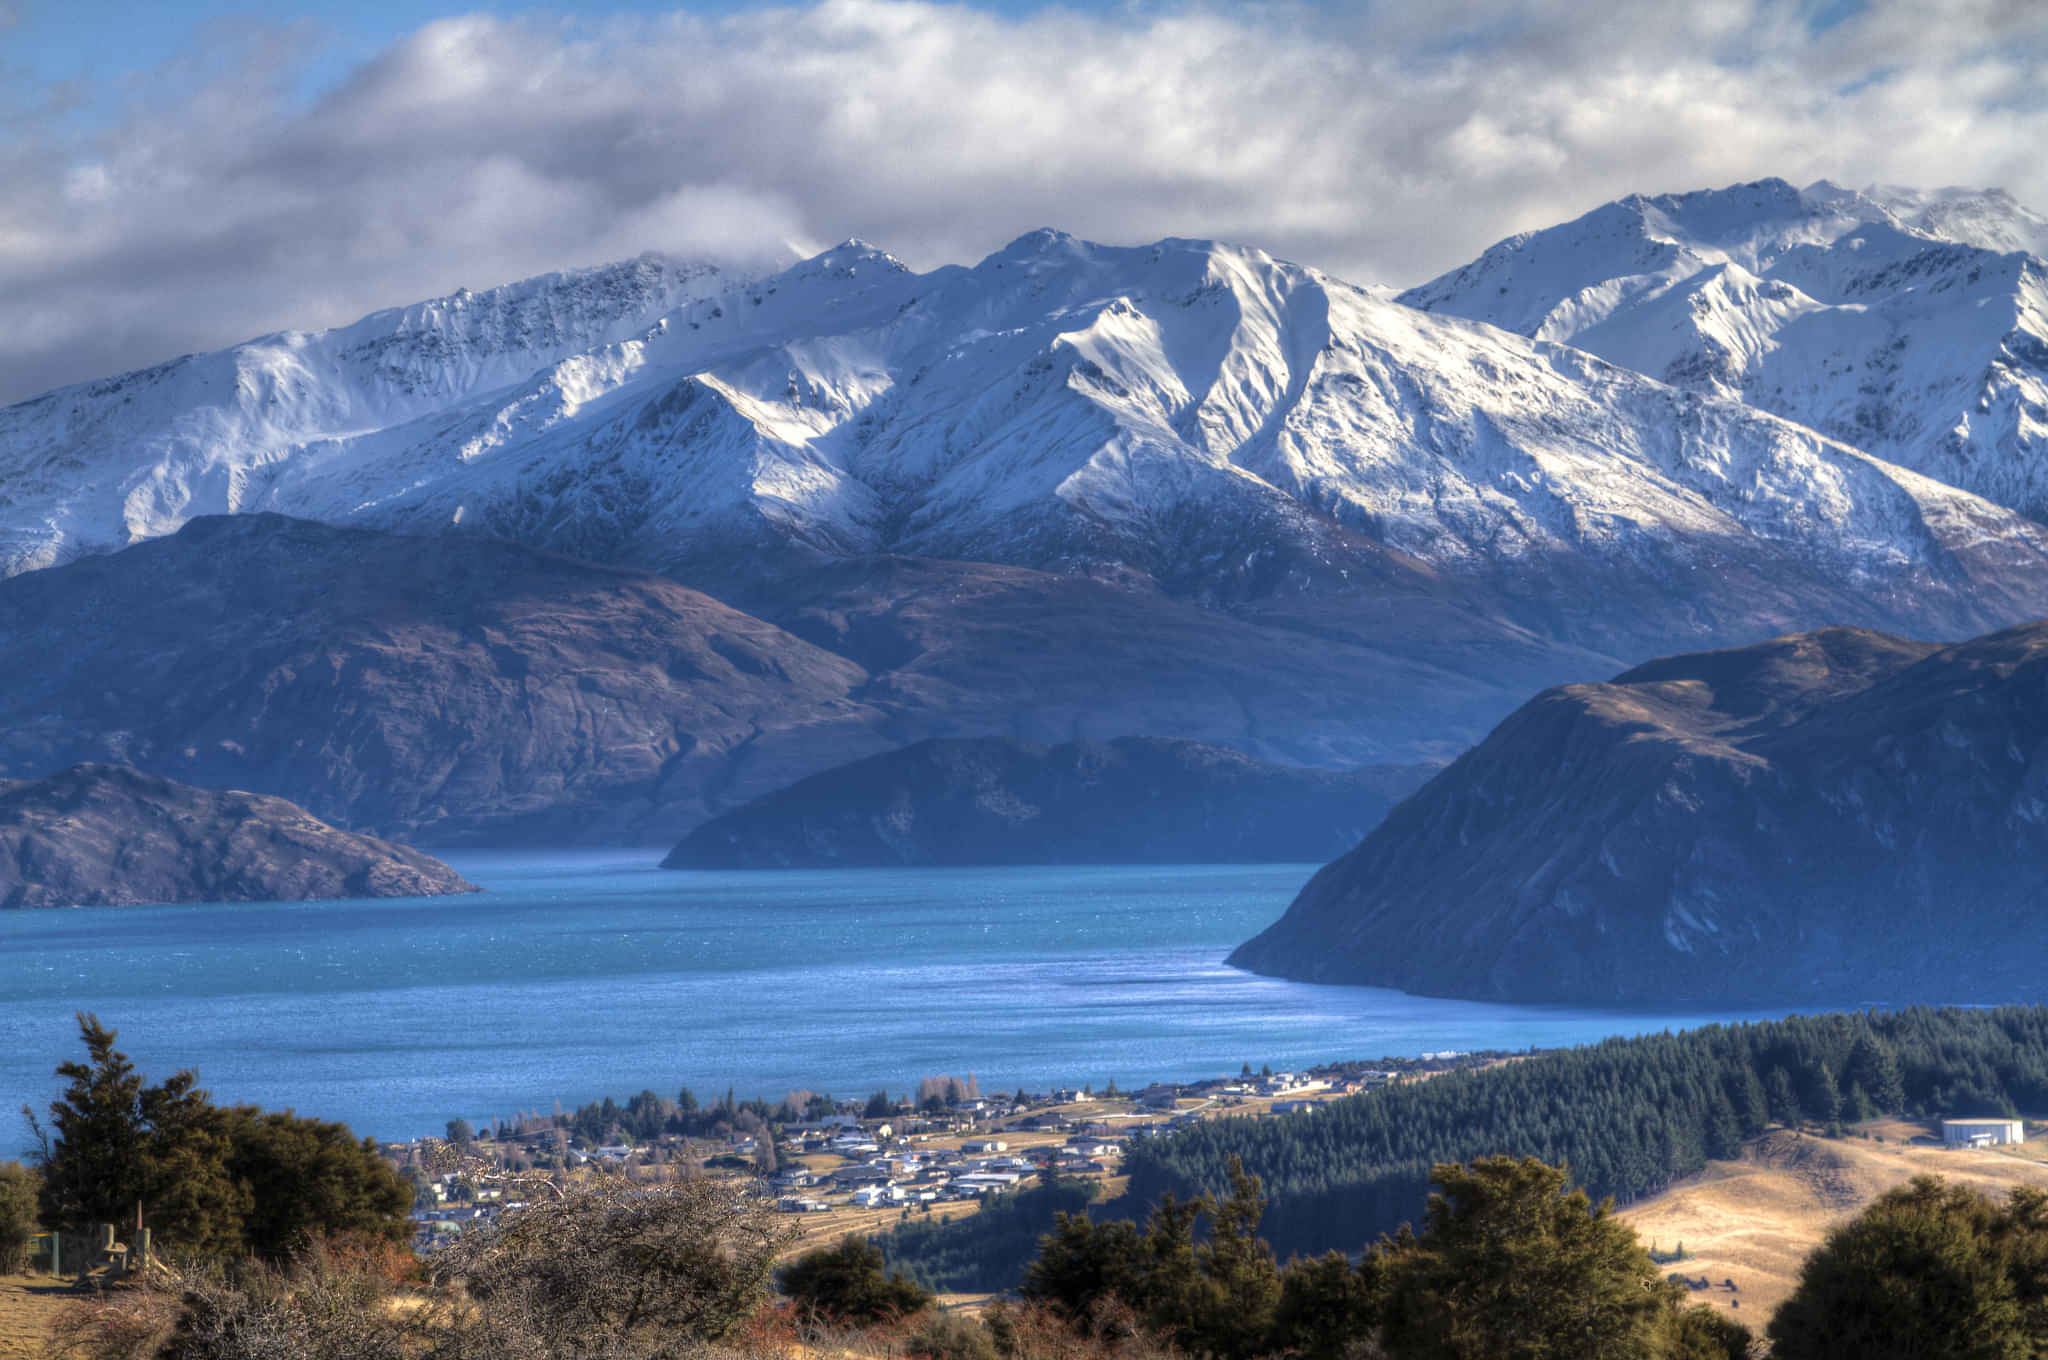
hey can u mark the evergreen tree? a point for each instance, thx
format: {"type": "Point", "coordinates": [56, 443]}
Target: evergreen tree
{"type": "Point", "coordinates": [1752, 1107]}
{"type": "Point", "coordinates": [207, 1180]}
{"type": "Point", "coordinates": [93, 1169]}
{"type": "Point", "coordinates": [1327, 1309]}
{"type": "Point", "coordinates": [850, 1282]}
{"type": "Point", "coordinates": [1242, 1277]}
{"type": "Point", "coordinates": [1874, 1066]}
{"type": "Point", "coordinates": [1919, 1275]}
{"type": "Point", "coordinates": [1512, 1264]}
{"type": "Point", "coordinates": [1824, 1097]}
{"type": "Point", "coordinates": [1784, 1100]}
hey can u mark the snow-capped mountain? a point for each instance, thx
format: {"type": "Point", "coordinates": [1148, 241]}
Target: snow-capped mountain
{"type": "Point", "coordinates": [1913, 325]}
{"type": "Point", "coordinates": [1178, 410]}
{"type": "Point", "coordinates": [102, 464]}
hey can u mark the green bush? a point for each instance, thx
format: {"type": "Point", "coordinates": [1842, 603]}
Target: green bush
{"type": "Point", "coordinates": [18, 1189]}
{"type": "Point", "coordinates": [211, 1180]}
{"type": "Point", "coordinates": [851, 1283]}
{"type": "Point", "coordinates": [1929, 1271]}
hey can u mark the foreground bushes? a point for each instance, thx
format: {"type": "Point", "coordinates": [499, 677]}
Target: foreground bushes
{"type": "Point", "coordinates": [18, 1190]}
{"type": "Point", "coordinates": [1929, 1271]}
{"type": "Point", "coordinates": [210, 1180]}
{"type": "Point", "coordinates": [851, 1282]}
{"type": "Point", "coordinates": [1510, 1264]}
{"type": "Point", "coordinates": [606, 1272]}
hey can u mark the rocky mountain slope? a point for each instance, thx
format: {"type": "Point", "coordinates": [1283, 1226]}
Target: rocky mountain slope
{"type": "Point", "coordinates": [460, 689]}
{"type": "Point", "coordinates": [435, 688]}
{"type": "Point", "coordinates": [1839, 817]}
{"type": "Point", "coordinates": [107, 835]}
{"type": "Point", "coordinates": [1911, 325]}
{"type": "Point", "coordinates": [996, 801]}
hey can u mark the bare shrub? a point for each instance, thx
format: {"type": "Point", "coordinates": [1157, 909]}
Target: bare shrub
{"type": "Point", "coordinates": [614, 1270]}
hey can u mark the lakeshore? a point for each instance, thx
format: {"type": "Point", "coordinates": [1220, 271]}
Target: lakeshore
{"type": "Point", "coordinates": [574, 976]}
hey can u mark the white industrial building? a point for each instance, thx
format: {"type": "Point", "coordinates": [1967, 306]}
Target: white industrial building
{"type": "Point", "coordinates": [1982, 1132]}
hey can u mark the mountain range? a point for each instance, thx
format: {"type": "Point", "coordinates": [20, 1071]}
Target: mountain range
{"type": "Point", "coordinates": [1071, 492]}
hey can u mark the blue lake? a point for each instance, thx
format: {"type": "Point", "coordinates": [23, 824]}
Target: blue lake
{"type": "Point", "coordinates": [580, 975]}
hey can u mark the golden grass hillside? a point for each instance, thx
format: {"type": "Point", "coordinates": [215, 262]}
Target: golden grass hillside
{"type": "Point", "coordinates": [1755, 1220]}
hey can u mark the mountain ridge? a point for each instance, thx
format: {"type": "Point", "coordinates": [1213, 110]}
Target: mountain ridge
{"type": "Point", "coordinates": [993, 800]}
{"type": "Point", "coordinates": [1174, 413]}
{"type": "Point", "coordinates": [1071, 492]}
{"type": "Point", "coordinates": [1832, 817]}
{"type": "Point", "coordinates": [1911, 325]}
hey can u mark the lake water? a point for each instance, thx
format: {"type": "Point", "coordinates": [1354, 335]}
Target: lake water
{"type": "Point", "coordinates": [578, 975]}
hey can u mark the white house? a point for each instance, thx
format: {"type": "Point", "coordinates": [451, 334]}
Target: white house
{"type": "Point", "coordinates": [1982, 1132]}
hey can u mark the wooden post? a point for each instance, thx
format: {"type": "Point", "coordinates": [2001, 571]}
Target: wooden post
{"type": "Point", "coordinates": [106, 1237]}
{"type": "Point", "coordinates": [56, 1253]}
{"type": "Point", "coordinates": [142, 1246]}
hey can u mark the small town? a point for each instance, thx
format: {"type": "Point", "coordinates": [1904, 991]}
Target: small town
{"type": "Point", "coordinates": [856, 1165]}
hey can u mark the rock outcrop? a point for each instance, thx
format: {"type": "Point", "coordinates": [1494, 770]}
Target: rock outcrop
{"type": "Point", "coordinates": [108, 835]}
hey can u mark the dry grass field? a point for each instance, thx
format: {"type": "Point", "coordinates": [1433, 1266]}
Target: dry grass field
{"type": "Point", "coordinates": [1754, 1220]}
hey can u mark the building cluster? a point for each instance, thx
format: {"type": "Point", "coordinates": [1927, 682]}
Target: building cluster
{"type": "Point", "coordinates": [882, 1167]}
{"type": "Point", "coordinates": [851, 1159]}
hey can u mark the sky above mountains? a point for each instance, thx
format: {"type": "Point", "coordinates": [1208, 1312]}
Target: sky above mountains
{"type": "Point", "coordinates": [182, 176]}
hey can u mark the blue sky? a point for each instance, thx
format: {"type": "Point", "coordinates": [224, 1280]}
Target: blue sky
{"type": "Point", "coordinates": [182, 176]}
{"type": "Point", "coordinates": [108, 41]}
{"type": "Point", "coordinates": [108, 45]}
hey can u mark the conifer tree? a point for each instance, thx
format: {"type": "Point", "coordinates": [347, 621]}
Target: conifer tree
{"type": "Point", "coordinates": [1919, 1275]}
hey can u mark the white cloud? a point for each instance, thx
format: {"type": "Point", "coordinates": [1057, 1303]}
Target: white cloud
{"type": "Point", "coordinates": [1385, 144]}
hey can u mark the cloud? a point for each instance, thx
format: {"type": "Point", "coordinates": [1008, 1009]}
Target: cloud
{"type": "Point", "coordinates": [1385, 143]}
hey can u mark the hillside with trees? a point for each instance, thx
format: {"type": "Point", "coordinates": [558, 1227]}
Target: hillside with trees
{"type": "Point", "coordinates": [1628, 1116]}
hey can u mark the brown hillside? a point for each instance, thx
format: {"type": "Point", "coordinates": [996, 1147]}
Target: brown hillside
{"type": "Point", "coordinates": [1755, 1220]}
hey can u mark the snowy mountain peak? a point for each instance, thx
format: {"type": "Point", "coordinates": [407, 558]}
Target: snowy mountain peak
{"type": "Point", "coordinates": [1911, 324]}
{"type": "Point", "coordinates": [850, 255]}
{"type": "Point", "coordinates": [1188, 411]}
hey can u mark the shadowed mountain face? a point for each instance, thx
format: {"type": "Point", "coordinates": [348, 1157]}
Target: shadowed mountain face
{"type": "Point", "coordinates": [463, 690]}
{"type": "Point", "coordinates": [435, 688]}
{"type": "Point", "coordinates": [107, 835]}
{"type": "Point", "coordinates": [1837, 816]}
{"type": "Point", "coordinates": [995, 801]}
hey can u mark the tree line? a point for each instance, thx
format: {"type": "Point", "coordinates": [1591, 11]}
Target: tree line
{"type": "Point", "coordinates": [1628, 1116]}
